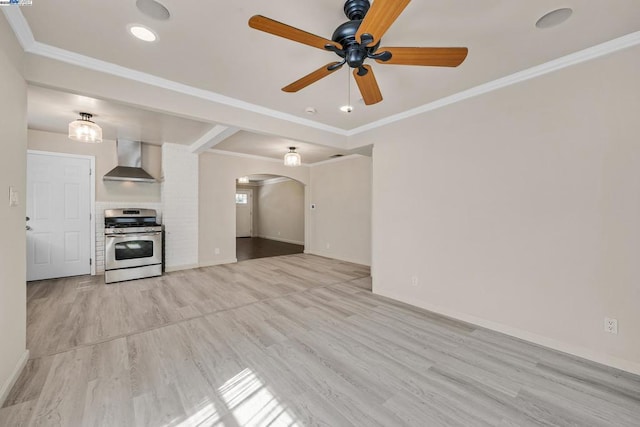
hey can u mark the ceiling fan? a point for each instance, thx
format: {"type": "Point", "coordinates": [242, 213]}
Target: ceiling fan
{"type": "Point", "coordinates": [359, 39]}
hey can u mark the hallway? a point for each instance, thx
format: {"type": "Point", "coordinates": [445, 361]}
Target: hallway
{"type": "Point", "coordinates": [257, 247]}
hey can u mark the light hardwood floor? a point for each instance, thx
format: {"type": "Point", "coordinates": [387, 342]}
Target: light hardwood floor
{"type": "Point", "coordinates": [292, 340]}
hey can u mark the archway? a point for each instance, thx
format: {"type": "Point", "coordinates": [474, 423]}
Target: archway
{"type": "Point", "coordinates": [270, 216]}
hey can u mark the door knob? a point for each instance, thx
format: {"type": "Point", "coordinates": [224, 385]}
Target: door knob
{"type": "Point", "coordinates": [28, 228]}
{"type": "Point", "coordinates": [28, 218]}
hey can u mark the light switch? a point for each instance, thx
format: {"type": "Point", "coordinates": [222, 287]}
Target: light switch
{"type": "Point", "coordinates": [14, 200]}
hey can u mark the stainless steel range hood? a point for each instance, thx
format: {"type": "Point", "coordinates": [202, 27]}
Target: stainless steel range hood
{"type": "Point", "coordinates": [129, 163]}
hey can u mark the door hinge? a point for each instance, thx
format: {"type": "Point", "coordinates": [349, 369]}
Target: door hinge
{"type": "Point", "coordinates": [90, 172]}
{"type": "Point", "coordinates": [90, 261]}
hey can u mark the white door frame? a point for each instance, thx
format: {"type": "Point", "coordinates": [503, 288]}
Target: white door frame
{"type": "Point", "coordinates": [92, 198]}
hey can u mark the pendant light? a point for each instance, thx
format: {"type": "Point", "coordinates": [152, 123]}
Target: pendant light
{"type": "Point", "coordinates": [292, 158]}
{"type": "Point", "coordinates": [85, 130]}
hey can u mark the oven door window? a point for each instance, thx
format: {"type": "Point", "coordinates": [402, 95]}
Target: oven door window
{"type": "Point", "coordinates": [134, 249]}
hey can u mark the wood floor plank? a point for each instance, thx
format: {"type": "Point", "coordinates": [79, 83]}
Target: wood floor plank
{"type": "Point", "coordinates": [293, 340]}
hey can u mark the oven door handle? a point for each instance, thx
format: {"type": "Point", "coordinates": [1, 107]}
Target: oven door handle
{"type": "Point", "coordinates": [152, 234]}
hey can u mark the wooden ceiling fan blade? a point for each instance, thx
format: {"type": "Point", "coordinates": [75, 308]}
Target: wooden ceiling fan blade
{"type": "Point", "coordinates": [427, 56]}
{"type": "Point", "coordinates": [379, 18]}
{"type": "Point", "coordinates": [313, 77]}
{"type": "Point", "coordinates": [279, 29]}
{"type": "Point", "coordinates": [368, 86]}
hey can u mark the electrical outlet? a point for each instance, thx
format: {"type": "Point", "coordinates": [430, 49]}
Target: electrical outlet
{"type": "Point", "coordinates": [611, 325]}
{"type": "Point", "coordinates": [216, 251]}
{"type": "Point", "coordinates": [328, 245]}
{"type": "Point", "coordinates": [414, 281]}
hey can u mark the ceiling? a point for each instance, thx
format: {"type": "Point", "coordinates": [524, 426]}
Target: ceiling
{"type": "Point", "coordinates": [51, 110]}
{"type": "Point", "coordinates": [208, 45]}
{"type": "Point", "coordinates": [270, 146]}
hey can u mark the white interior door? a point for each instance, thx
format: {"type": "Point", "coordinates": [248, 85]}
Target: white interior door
{"type": "Point", "coordinates": [59, 212]}
{"type": "Point", "coordinates": [244, 213]}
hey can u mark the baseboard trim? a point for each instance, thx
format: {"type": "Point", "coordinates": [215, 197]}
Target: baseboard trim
{"type": "Point", "coordinates": [553, 344]}
{"type": "Point", "coordinates": [11, 381]}
{"type": "Point", "coordinates": [279, 239]}
{"type": "Point", "coordinates": [172, 268]}
{"type": "Point", "coordinates": [221, 262]}
{"type": "Point", "coordinates": [334, 256]}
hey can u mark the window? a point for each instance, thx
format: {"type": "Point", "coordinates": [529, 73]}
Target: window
{"type": "Point", "coordinates": [242, 199]}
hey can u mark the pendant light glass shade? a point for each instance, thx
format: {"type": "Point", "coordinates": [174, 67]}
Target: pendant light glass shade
{"type": "Point", "coordinates": [84, 130]}
{"type": "Point", "coordinates": [292, 158]}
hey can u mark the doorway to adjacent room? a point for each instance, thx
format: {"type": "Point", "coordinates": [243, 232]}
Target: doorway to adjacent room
{"type": "Point", "coordinates": [269, 216]}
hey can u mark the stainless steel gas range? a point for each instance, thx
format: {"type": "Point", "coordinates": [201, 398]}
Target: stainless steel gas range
{"type": "Point", "coordinates": [133, 244]}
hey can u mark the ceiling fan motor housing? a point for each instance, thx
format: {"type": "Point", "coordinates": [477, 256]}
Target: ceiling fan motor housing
{"type": "Point", "coordinates": [356, 9]}
{"type": "Point", "coordinates": [353, 51]}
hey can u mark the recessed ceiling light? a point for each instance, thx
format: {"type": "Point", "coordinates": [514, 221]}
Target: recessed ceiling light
{"type": "Point", "coordinates": [143, 33]}
{"type": "Point", "coordinates": [153, 9]}
{"type": "Point", "coordinates": [310, 110]}
{"type": "Point", "coordinates": [554, 18]}
{"type": "Point", "coordinates": [346, 108]}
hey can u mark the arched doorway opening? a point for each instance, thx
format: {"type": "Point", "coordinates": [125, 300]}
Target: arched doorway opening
{"type": "Point", "coordinates": [269, 216]}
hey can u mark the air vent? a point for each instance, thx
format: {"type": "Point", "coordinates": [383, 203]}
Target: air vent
{"type": "Point", "coordinates": [335, 156]}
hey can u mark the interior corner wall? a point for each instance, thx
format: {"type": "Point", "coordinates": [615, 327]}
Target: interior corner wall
{"type": "Point", "coordinates": [340, 224]}
{"type": "Point", "coordinates": [519, 210]}
{"type": "Point", "coordinates": [13, 141]}
{"type": "Point", "coordinates": [217, 208]}
{"type": "Point", "coordinates": [281, 211]}
{"type": "Point", "coordinates": [180, 206]}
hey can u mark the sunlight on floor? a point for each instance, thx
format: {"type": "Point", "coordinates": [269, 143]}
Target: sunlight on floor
{"type": "Point", "coordinates": [252, 404]}
{"type": "Point", "coordinates": [207, 416]}
{"type": "Point", "coordinates": [247, 402]}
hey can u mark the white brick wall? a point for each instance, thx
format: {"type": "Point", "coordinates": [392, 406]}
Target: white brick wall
{"type": "Point", "coordinates": [180, 206]}
{"type": "Point", "coordinates": [100, 208]}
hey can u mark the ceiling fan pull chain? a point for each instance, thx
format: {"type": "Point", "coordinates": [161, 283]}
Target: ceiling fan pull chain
{"type": "Point", "coordinates": [348, 87]}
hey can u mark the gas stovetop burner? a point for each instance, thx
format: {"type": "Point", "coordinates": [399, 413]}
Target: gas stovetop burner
{"type": "Point", "coordinates": [121, 221]}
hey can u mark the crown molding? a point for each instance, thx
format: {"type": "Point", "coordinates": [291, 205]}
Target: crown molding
{"type": "Point", "coordinates": [248, 156]}
{"type": "Point", "coordinates": [584, 55]}
{"type": "Point", "coordinates": [337, 159]}
{"type": "Point", "coordinates": [23, 32]}
{"type": "Point", "coordinates": [20, 27]}
{"type": "Point", "coordinates": [277, 180]}
{"type": "Point", "coordinates": [94, 64]}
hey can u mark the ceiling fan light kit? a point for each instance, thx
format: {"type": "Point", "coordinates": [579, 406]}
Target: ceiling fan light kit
{"type": "Point", "coordinates": [359, 39]}
{"type": "Point", "coordinates": [85, 130]}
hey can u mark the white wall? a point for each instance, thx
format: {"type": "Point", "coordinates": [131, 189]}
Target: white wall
{"type": "Point", "coordinates": [520, 210]}
{"type": "Point", "coordinates": [340, 226]}
{"type": "Point", "coordinates": [217, 217]}
{"type": "Point", "coordinates": [180, 206]}
{"type": "Point", "coordinates": [13, 141]}
{"type": "Point", "coordinates": [281, 211]}
{"type": "Point", "coordinates": [106, 159]}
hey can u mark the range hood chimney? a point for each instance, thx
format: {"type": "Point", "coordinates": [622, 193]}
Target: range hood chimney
{"type": "Point", "coordinates": [129, 163]}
